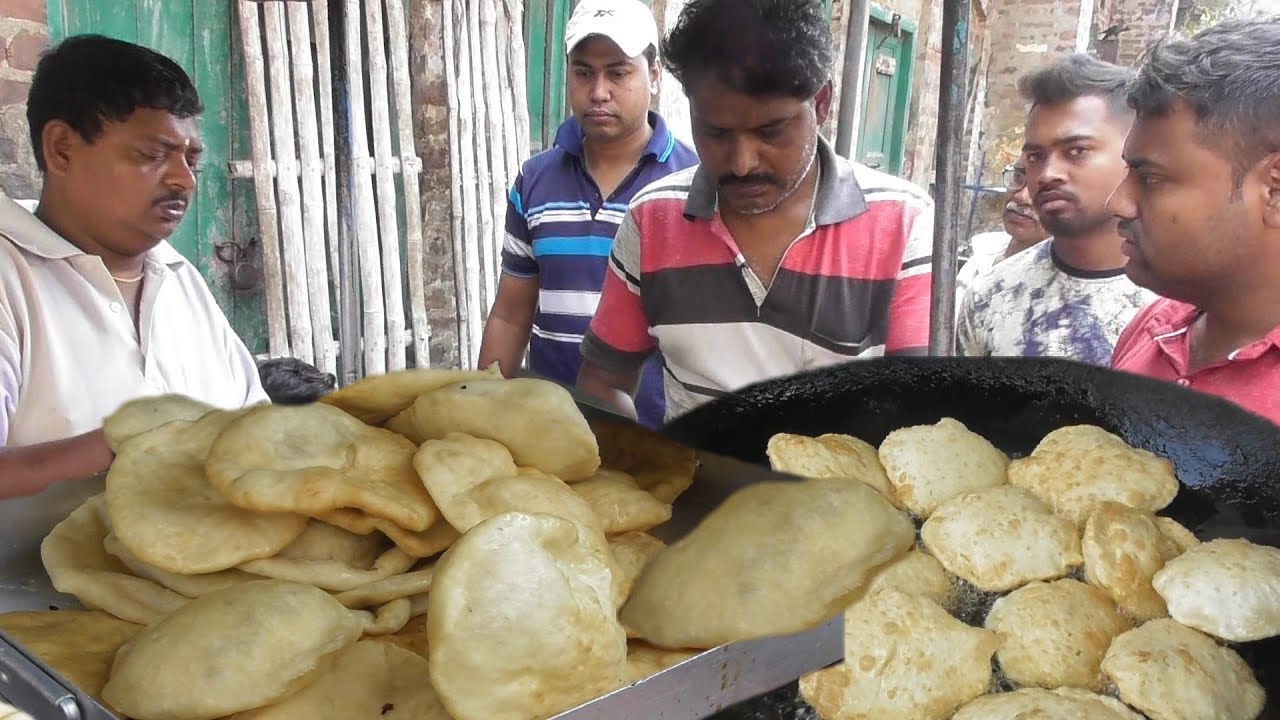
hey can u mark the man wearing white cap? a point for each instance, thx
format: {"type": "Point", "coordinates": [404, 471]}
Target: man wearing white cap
{"type": "Point", "coordinates": [567, 202]}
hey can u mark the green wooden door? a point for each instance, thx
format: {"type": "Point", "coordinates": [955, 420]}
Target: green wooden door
{"type": "Point", "coordinates": [886, 93]}
{"type": "Point", "coordinates": [200, 36]}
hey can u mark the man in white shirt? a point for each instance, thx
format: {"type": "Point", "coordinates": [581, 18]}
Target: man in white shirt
{"type": "Point", "coordinates": [96, 309]}
{"type": "Point", "coordinates": [1022, 229]}
{"type": "Point", "coordinates": [1067, 296]}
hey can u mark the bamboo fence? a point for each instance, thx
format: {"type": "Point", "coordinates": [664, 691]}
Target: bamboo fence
{"type": "Point", "coordinates": [488, 140]}
{"type": "Point", "coordinates": [289, 79]}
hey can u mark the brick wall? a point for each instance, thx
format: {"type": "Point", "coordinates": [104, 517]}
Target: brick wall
{"type": "Point", "coordinates": [24, 34]}
{"type": "Point", "coordinates": [1140, 24]}
{"type": "Point", "coordinates": [1024, 35]}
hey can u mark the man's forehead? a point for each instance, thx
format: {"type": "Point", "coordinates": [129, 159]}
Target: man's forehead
{"type": "Point", "coordinates": [713, 103]}
{"type": "Point", "coordinates": [1086, 117]}
{"type": "Point", "coordinates": [1153, 136]}
{"type": "Point", "coordinates": [160, 125]}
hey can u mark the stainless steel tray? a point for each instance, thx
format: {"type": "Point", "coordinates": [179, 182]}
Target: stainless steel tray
{"type": "Point", "coordinates": [696, 688]}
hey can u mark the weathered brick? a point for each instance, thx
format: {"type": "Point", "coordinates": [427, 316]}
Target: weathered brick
{"type": "Point", "coordinates": [34, 10]}
{"type": "Point", "coordinates": [13, 92]}
{"type": "Point", "coordinates": [25, 48]}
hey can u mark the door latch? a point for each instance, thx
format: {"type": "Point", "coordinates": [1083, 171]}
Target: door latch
{"type": "Point", "coordinates": [244, 275]}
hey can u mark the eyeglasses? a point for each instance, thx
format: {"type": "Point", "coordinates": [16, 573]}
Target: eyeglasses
{"type": "Point", "coordinates": [1015, 178]}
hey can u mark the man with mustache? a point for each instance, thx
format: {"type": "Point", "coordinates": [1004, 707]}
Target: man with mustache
{"type": "Point", "coordinates": [567, 203]}
{"type": "Point", "coordinates": [774, 255]}
{"type": "Point", "coordinates": [1200, 214]}
{"type": "Point", "coordinates": [96, 309]}
{"type": "Point", "coordinates": [1022, 229]}
{"type": "Point", "coordinates": [1067, 296]}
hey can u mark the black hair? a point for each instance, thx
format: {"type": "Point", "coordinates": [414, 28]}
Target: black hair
{"type": "Point", "coordinates": [88, 80]}
{"type": "Point", "coordinates": [1075, 77]}
{"type": "Point", "coordinates": [289, 381]}
{"type": "Point", "coordinates": [757, 47]}
{"type": "Point", "coordinates": [651, 55]}
{"type": "Point", "coordinates": [1229, 76]}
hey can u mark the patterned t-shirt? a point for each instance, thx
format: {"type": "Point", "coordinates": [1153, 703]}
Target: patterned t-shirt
{"type": "Point", "coordinates": [1035, 305]}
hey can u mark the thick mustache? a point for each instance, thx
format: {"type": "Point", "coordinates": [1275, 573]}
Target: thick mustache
{"type": "Point", "coordinates": [1128, 229]}
{"type": "Point", "coordinates": [1020, 210]}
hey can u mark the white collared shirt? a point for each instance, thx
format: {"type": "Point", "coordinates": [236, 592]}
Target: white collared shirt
{"type": "Point", "coordinates": [69, 352]}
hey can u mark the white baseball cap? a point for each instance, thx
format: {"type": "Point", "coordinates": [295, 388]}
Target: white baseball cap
{"type": "Point", "coordinates": [628, 23]}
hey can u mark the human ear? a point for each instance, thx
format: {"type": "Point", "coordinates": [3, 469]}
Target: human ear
{"type": "Point", "coordinates": [57, 141]}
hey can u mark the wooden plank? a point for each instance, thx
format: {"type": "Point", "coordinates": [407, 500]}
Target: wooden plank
{"type": "Point", "coordinates": [210, 210]}
{"type": "Point", "coordinates": [473, 268]}
{"type": "Point", "coordinates": [512, 38]}
{"type": "Point", "coordinates": [370, 261]}
{"type": "Point", "coordinates": [312, 169]}
{"type": "Point", "coordinates": [556, 61]}
{"type": "Point", "coordinates": [536, 76]}
{"type": "Point", "coordinates": [255, 85]}
{"type": "Point", "coordinates": [497, 132]}
{"type": "Point", "coordinates": [488, 238]}
{"type": "Point", "coordinates": [324, 69]}
{"type": "Point", "coordinates": [458, 239]}
{"type": "Point", "coordinates": [56, 16]}
{"type": "Point", "coordinates": [388, 224]}
{"type": "Point", "coordinates": [398, 38]}
{"type": "Point", "coordinates": [288, 197]}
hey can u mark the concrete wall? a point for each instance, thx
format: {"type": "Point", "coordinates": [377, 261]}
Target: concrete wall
{"type": "Point", "coordinates": [24, 34]}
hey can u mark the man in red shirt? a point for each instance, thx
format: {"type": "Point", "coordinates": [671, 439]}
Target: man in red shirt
{"type": "Point", "coordinates": [1200, 214]}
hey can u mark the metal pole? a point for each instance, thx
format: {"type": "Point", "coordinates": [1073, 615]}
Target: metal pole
{"type": "Point", "coordinates": [855, 56]}
{"type": "Point", "coordinates": [949, 162]}
{"type": "Point", "coordinates": [349, 340]}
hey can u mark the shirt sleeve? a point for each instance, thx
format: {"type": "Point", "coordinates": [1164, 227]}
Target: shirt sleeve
{"type": "Point", "coordinates": [619, 338]}
{"type": "Point", "coordinates": [517, 246]}
{"type": "Point", "coordinates": [10, 379]}
{"type": "Point", "coordinates": [1128, 335]}
{"type": "Point", "coordinates": [910, 308]}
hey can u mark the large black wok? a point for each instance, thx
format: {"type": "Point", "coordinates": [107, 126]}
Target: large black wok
{"type": "Point", "coordinates": [1228, 460]}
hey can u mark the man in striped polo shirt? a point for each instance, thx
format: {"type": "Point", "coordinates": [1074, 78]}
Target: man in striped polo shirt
{"type": "Point", "coordinates": [567, 202]}
{"type": "Point", "coordinates": [774, 255]}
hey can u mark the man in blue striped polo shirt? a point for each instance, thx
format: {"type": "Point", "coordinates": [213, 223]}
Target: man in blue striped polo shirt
{"type": "Point", "coordinates": [567, 203]}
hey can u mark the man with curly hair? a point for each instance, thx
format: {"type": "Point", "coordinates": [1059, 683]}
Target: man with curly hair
{"type": "Point", "coordinates": [774, 255]}
{"type": "Point", "coordinates": [1200, 215]}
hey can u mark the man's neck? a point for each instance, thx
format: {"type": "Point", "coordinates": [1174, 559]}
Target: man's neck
{"type": "Point", "coordinates": [1242, 316]}
{"type": "Point", "coordinates": [619, 154]}
{"type": "Point", "coordinates": [1096, 251]}
{"type": "Point", "coordinates": [54, 212]}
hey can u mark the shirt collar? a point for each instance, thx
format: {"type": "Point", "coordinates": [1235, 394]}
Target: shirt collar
{"type": "Point", "coordinates": [25, 230]}
{"type": "Point", "coordinates": [839, 197]}
{"type": "Point", "coordinates": [1172, 324]}
{"type": "Point", "coordinates": [661, 143]}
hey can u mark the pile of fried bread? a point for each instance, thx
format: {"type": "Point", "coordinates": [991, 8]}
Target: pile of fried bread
{"type": "Point", "coordinates": [282, 562]}
{"type": "Point", "coordinates": [448, 544]}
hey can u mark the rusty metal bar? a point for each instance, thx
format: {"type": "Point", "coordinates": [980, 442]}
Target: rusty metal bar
{"type": "Point", "coordinates": [855, 59]}
{"type": "Point", "coordinates": [949, 168]}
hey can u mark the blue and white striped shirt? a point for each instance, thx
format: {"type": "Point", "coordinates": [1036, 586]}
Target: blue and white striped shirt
{"type": "Point", "coordinates": [560, 230]}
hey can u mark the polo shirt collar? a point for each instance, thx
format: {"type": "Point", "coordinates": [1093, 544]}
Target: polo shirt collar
{"type": "Point", "coordinates": [1173, 325]}
{"type": "Point", "coordinates": [839, 197]}
{"type": "Point", "coordinates": [661, 143]}
{"type": "Point", "coordinates": [25, 230]}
